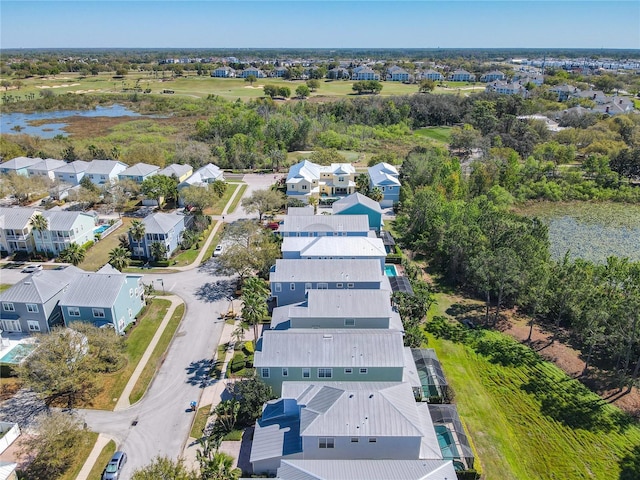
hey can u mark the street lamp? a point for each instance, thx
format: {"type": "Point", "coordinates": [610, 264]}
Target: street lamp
{"type": "Point", "coordinates": [161, 283]}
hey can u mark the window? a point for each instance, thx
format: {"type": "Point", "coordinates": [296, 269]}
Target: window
{"type": "Point", "coordinates": [363, 371]}
{"type": "Point", "coordinates": [98, 312]}
{"type": "Point", "coordinates": [373, 439]}
{"type": "Point", "coordinates": [355, 439]}
{"type": "Point", "coordinates": [8, 307]}
{"type": "Point", "coordinates": [349, 285]}
{"type": "Point", "coordinates": [306, 372]}
{"type": "Point", "coordinates": [292, 286]}
{"type": "Point", "coordinates": [339, 285]}
{"type": "Point", "coordinates": [308, 286]}
{"type": "Point", "coordinates": [323, 286]}
{"type": "Point", "coordinates": [326, 442]}
{"type": "Point", "coordinates": [285, 372]}
{"type": "Point", "coordinates": [73, 311]}
{"type": "Point", "coordinates": [265, 373]}
{"type": "Point", "coordinates": [349, 322]}
{"type": "Point", "coordinates": [325, 372]}
{"type": "Point", "coordinates": [32, 308]}
{"type": "Point", "coordinates": [33, 326]}
{"type": "Point", "coordinates": [348, 371]}
{"type": "Point", "coordinates": [278, 287]}
{"type": "Point", "coordinates": [131, 292]}
{"type": "Point", "coordinates": [304, 187]}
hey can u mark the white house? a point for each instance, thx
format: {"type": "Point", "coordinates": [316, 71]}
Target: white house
{"type": "Point", "coordinates": [46, 168]}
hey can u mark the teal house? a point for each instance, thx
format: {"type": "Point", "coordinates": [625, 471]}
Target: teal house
{"type": "Point", "coordinates": [106, 297]}
{"type": "Point", "coordinates": [358, 204]}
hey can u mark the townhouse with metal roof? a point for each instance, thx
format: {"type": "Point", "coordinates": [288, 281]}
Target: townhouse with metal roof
{"type": "Point", "coordinates": [366, 470]}
{"type": "Point", "coordinates": [102, 172]}
{"type": "Point", "coordinates": [326, 181]}
{"type": "Point", "coordinates": [19, 165]}
{"type": "Point", "coordinates": [72, 172]}
{"type": "Point", "coordinates": [350, 309]}
{"type": "Point", "coordinates": [461, 76]}
{"type": "Point", "coordinates": [385, 177]}
{"type": "Point", "coordinates": [31, 305]}
{"type": "Point", "coordinates": [364, 72]}
{"type": "Point", "coordinates": [139, 172]}
{"type": "Point", "coordinates": [104, 298]}
{"type": "Point", "coordinates": [223, 72]}
{"type": "Point", "coordinates": [180, 171]}
{"type": "Point", "coordinates": [343, 421]}
{"type": "Point", "coordinates": [324, 225]}
{"type": "Point", "coordinates": [166, 228]}
{"type": "Point", "coordinates": [45, 168]}
{"type": "Point", "coordinates": [64, 228]}
{"type": "Point", "coordinates": [358, 204]}
{"type": "Point", "coordinates": [15, 229]}
{"type": "Point", "coordinates": [302, 354]}
{"type": "Point", "coordinates": [202, 177]}
{"type": "Point", "coordinates": [323, 248]}
{"type": "Point", "coordinates": [291, 279]}
{"type": "Point", "coordinates": [492, 76]}
{"type": "Point", "coordinates": [430, 75]}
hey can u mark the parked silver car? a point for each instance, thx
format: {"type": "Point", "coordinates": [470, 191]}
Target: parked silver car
{"type": "Point", "coordinates": [112, 471]}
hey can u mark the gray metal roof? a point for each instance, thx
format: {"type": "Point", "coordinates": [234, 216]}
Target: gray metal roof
{"type": "Point", "coordinates": [206, 174]}
{"type": "Point", "coordinates": [176, 169]}
{"type": "Point", "coordinates": [277, 433]}
{"type": "Point", "coordinates": [40, 286]}
{"type": "Point", "coordinates": [356, 199]}
{"type": "Point", "coordinates": [94, 290]}
{"type": "Point", "coordinates": [325, 223]}
{"type": "Point", "coordinates": [19, 163]}
{"type": "Point", "coordinates": [383, 174]}
{"type": "Point", "coordinates": [386, 409]}
{"type": "Point", "coordinates": [330, 348]}
{"type": "Point", "coordinates": [74, 167]}
{"type": "Point", "coordinates": [306, 210]}
{"type": "Point", "coordinates": [329, 270]}
{"type": "Point", "coordinates": [366, 470]}
{"type": "Point", "coordinates": [103, 167]}
{"type": "Point", "coordinates": [161, 222]}
{"type": "Point", "coordinates": [63, 220]}
{"type": "Point", "coordinates": [15, 218]}
{"type": "Point", "coordinates": [347, 303]}
{"type": "Point", "coordinates": [343, 247]}
{"type": "Point", "coordinates": [47, 165]}
{"type": "Point", "coordinates": [139, 169]}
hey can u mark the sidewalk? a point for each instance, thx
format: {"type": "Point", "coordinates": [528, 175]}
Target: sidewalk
{"type": "Point", "coordinates": [211, 395]}
{"type": "Point", "coordinates": [101, 442]}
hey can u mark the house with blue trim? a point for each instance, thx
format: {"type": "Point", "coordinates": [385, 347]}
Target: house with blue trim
{"type": "Point", "coordinates": [19, 165]}
{"type": "Point", "coordinates": [343, 248]}
{"type": "Point", "coordinates": [103, 172]}
{"type": "Point", "coordinates": [324, 226]}
{"type": "Point", "coordinates": [64, 228]}
{"type": "Point", "coordinates": [106, 297]}
{"type": "Point", "coordinates": [247, 72]}
{"type": "Point", "coordinates": [72, 172]}
{"type": "Point", "coordinates": [46, 168]}
{"type": "Point", "coordinates": [139, 172]}
{"type": "Point", "coordinates": [431, 75]}
{"type": "Point", "coordinates": [166, 228]}
{"type": "Point", "coordinates": [223, 72]}
{"type": "Point", "coordinates": [385, 177]}
{"type": "Point", "coordinates": [358, 204]}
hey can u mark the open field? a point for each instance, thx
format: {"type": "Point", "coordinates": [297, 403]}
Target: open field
{"type": "Point", "coordinates": [439, 134]}
{"type": "Point", "coordinates": [198, 87]}
{"type": "Point", "coordinates": [527, 419]}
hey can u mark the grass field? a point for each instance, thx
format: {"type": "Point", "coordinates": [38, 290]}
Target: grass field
{"type": "Point", "coordinates": [105, 455]}
{"type": "Point", "coordinates": [157, 357]}
{"type": "Point", "coordinates": [83, 446]}
{"type": "Point", "coordinates": [218, 207]}
{"type": "Point", "coordinates": [202, 415]}
{"type": "Point", "coordinates": [136, 344]}
{"type": "Point", "coordinates": [439, 134]}
{"type": "Point", "coordinates": [237, 198]}
{"type": "Point", "coordinates": [528, 420]}
{"type": "Point", "coordinates": [98, 254]}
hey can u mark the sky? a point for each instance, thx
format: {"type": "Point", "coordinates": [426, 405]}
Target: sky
{"type": "Point", "coordinates": [320, 24]}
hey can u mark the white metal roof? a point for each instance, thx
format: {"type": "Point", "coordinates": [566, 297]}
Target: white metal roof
{"type": "Point", "coordinates": [328, 270]}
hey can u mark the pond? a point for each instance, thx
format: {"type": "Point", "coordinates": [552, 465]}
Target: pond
{"type": "Point", "coordinates": [13, 123]}
{"type": "Point", "coordinates": [592, 231]}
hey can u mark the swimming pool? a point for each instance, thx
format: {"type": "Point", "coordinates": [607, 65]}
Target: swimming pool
{"type": "Point", "coordinates": [390, 271]}
{"type": "Point", "coordinates": [446, 442]}
{"type": "Point", "coordinates": [18, 353]}
{"type": "Point", "coordinates": [101, 228]}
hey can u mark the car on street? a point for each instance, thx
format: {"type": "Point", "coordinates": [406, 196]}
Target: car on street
{"type": "Point", "coordinates": [114, 467]}
{"type": "Point", "coordinates": [32, 268]}
{"type": "Point", "coordinates": [218, 251]}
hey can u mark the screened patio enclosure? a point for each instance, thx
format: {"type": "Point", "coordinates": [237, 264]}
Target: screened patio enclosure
{"type": "Point", "coordinates": [452, 438]}
{"type": "Point", "coordinates": [434, 385]}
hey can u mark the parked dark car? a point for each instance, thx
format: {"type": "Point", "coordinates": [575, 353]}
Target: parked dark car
{"type": "Point", "coordinates": [114, 467]}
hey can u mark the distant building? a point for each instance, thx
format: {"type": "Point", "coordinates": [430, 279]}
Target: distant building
{"type": "Point", "coordinates": [495, 75]}
{"type": "Point", "coordinates": [461, 76]}
{"type": "Point", "coordinates": [46, 168]}
{"type": "Point", "coordinates": [19, 165]}
{"type": "Point", "coordinates": [223, 72]}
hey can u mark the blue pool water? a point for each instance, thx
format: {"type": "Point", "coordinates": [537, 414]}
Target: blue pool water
{"type": "Point", "coordinates": [447, 445]}
{"type": "Point", "coordinates": [18, 353]}
{"type": "Point", "coordinates": [390, 271]}
{"type": "Point", "coordinates": [101, 228]}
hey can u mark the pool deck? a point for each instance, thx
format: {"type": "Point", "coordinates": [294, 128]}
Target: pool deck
{"type": "Point", "coordinates": [8, 341]}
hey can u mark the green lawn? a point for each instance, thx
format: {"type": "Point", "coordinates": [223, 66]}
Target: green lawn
{"type": "Point", "coordinates": [98, 254]}
{"type": "Point", "coordinates": [136, 343]}
{"type": "Point", "coordinates": [236, 199]}
{"type": "Point", "coordinates": [202, 415]}
{"type": "Point", "coordinates": [82, 448]}
{"type": "Point", "coordinates": [157, 357]}
{"type": "Point", "coordinates": [98, 467]}
{"type": "Point", "coordinates": [4, 286]}
{"type": "Point", "coordinates": [528, 420]}
{"type": "Point", "coordinates": [439, 134]}
{"type": "Point", "coordinates": [218, 207]}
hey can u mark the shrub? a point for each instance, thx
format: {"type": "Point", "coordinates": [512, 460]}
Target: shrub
{"type": "Point", "coordinates": [248, 347]}
{"type": "Point", "coordinates": [237, 362]}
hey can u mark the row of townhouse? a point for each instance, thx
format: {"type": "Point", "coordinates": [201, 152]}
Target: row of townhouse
{"type": "Point", "coordinates": [349, 391]}
{"type": "Point", "coordinates": [17, 233]}
{"type": "Point", "coordinates": [307, 179]}
{"type": "Point", "coordinates": [51, 298]}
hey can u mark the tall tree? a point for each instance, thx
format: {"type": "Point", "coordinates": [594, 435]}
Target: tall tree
{"type": "Point", "coordinates": [73, 254]}
{"type": "Point", "coordinates": [254, 303]}
{"type": "Point", "coordinates": [137, 231]}
{"type": "Point", "coordinates": [158, 251]}
{"type": "Point", "coordinates": [263, 201]}
{"type": "Point", "coordinates": [164, 468]}
{"type": "Point", "coordinates": [160, 187]}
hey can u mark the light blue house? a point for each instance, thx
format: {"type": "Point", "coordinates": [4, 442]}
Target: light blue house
{"type": "Point", "coordinates": [64, 228]}
{"type": "Point", "coordinates": [104, 172]}
{"type": "Point", "coordinates": [15, 229]}
{"type": "Point", "coordinates": [323, 248]}
{"type": "Point", "coordinates": [290, 280]}
{"type": "Point", "coordinates": [324, 226]}
{"type": "Point", "coordinates": [166, 228]}
{"type": "Point", "coordinates": [72, 172]}
{"type": "Point", "coordinates": [385, 177]}
{"type": "Point", "coordinates": [358, 204]}
{"type": "Point", "coordinates": [139, 172]}
{"type": "Point", "coordinates": [45, 168]}
{"type": "Point", "coordinates": [252, 71]}
{"type": "Point", "coordinates": [106, 297]}
{"type": "Point", "coordinates": [19, 165]}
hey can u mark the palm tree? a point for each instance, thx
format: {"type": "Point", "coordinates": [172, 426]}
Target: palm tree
{"type": "Point", "coordinates": [218, 466]}
{"type": "Point", "coordinates": [254, 303]}
{"type": "Point", "coordinates": [158, 251]}
{"type": "Point", "coordinates": [313, 201]}
{"type": "Point", "coordinates": [136, 230]}
{"type": "Point", "coordinates": [119, 258]}
{"type": "Point", "coordinates": [39, 222]}
{"type": "Point", "coordinates": [376, 194]}
{"type": "Point", "coordinates": [73, 254]}
{"type": "Point", "coordinates": [238, 334]}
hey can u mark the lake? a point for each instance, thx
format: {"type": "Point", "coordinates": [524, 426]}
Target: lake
{"type": "Point", "coordinates": [50, 130]}
{"type": "Point", "coordinates": [592, 231]}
